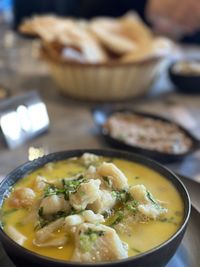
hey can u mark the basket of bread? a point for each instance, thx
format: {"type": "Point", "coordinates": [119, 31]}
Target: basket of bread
{"type": "Point", "coordinates": [101, 59]}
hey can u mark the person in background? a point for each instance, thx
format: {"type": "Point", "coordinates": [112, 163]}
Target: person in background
{"type": "Point", "coordinates": [173, 18]}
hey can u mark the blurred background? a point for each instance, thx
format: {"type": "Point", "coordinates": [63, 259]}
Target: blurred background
{"type": "Point", "coordinates": [167, 17]}
{"type": "Point", "coordinates": [57, 92]}
{"type": "Point", "coordinates": [21, 72]}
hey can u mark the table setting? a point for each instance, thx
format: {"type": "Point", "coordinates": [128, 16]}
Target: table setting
{"type": "Point", "coordinates": [57, 95]}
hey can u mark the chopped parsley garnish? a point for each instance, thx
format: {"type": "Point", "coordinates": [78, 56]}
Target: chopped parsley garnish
{"type": "Point", "coordinates": [154, 202]}
{"type": "Point", "coordinates": [69, 187]}
{"type": "Point", "coordinates": [90, 231]}
{"type": "Point", "coordinates": [136, 250]}
{"type": "Point", "coordinates": [122, 196]}
{"type": "Point", "coordinates": [126, 202]}
{"type": "Point", "coordinates": [45, 220]}
{"type": "Point", "coordinates": [117, 218]}
{"type": "Point", "coordinates": [151, 198]}
{"type": "Point", "coordinates": [132, 206]}
{"type": "Point", "coordinates": [88, 238]}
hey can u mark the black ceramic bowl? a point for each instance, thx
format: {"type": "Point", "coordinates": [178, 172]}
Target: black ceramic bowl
{"type": "Point", "coordinates": [100, 116]}
{"type": "Point", "coordinates": [188, 84]}
{"type": "Point", "coordinates": [158, 257]}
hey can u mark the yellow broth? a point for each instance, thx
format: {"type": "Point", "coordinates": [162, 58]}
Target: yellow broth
{"type": "Point", "coordinates": [144, 236]}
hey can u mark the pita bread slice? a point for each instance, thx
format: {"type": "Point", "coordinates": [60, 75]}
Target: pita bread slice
{"type": "Point", "coordinates": [159, 47]}
{"type": "Point", "coordinates": [135, 29]}
{"type": "Point", "coordinates": [70, 35]}
{"type": "Point", "coordinates": [110, 34]}
{"type": "Point", "coordinates": [46, 27]}
{"type": "Point", "coordinates": [79, 37]}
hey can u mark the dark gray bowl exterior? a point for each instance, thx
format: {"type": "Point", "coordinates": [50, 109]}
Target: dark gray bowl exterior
{"type": "Point", "coordinates": [187, 84]}
{"type": "Point", "coordinates": [157, 257]}
{"type": "Point", "coordinates": [162, 157]}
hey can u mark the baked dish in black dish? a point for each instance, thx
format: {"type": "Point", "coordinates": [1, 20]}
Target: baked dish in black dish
{"type": "Point", "coordinates": [144, 133]}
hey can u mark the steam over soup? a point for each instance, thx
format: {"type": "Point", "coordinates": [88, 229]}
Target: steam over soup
{"type": "Point", "coordinates": [92, 209]}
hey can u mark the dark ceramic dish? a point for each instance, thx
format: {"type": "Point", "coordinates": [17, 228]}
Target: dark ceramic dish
{"type": "Point", "coordinates": [101, 115]}
{"type": "Point", "coordinates": [188, 84]}
{"type": "Point", "coordinates": [159, 256]}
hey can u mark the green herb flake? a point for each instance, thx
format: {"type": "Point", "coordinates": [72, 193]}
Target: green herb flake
{"type": "Point", "coordinates": [136, 250]}
{"type": "Point", "coordinates": [151, 198]}
{"type": "Point", "coordinates": [122, 196]}
{"type": "Point", "coordinates": [82, 193]}
{"type": "Point", "coordinates": [85, 243]}
{"type": "Point", "coordinates": [132, 206]}
{"type": "Point", "coordinates": [45, 220]}
{"type": "Point", "coordinates": [88, 238]}
{"type": "Point", "coordinates": [117, 218]}
{"type": "Point", "coordinates": [90, 231]}
{"type": "Point", "coordinates": [69, 187]}
{"type": "Point", "coordinates": [106, 214]}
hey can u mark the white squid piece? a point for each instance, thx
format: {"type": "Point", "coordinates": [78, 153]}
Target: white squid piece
{"type": "Point", "coordinates": [96, 243]}
{"type": "Point", "coordinates": [104, 202]}
{"type": "Point", "coordinates": [86, 194]}
{"type": "Point", "coordinates": [16, 235]}
{"type": "Point", "coordinates": [91, 173]}
{"type": "Point", "coordinates": [23, 197]}
{"type": "Point", "coordinates": [89, 158]}
{"type": "Point", "coordinates": [47, 232]}
{"type": "Point", "coordinates": [73, 220]}
{"type": "Point", "coordinates": [85, 216]}
{"type": "Point", "coordinates": [53, 204]}
{"type": "Point", "coordinates": [117, 177]}
{"type": "Point", "coordinates": [57, 242]}
{"type": "Point", "coordinates": [90, 216]}
{"type": "Point", "coordinates": [40, 183]}
{"type": "Point", "coordinates": [147, 204]}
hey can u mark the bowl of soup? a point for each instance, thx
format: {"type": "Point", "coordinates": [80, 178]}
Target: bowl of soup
{"type": "Point", "coordinates": [92, 208]}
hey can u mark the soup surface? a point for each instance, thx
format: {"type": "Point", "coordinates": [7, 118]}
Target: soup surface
{"type": "Point", "coordinates": [92, 209]}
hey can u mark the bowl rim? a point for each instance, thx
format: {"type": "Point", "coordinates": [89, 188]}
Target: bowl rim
{"type": "Point", "coordinates": [134, 157]}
